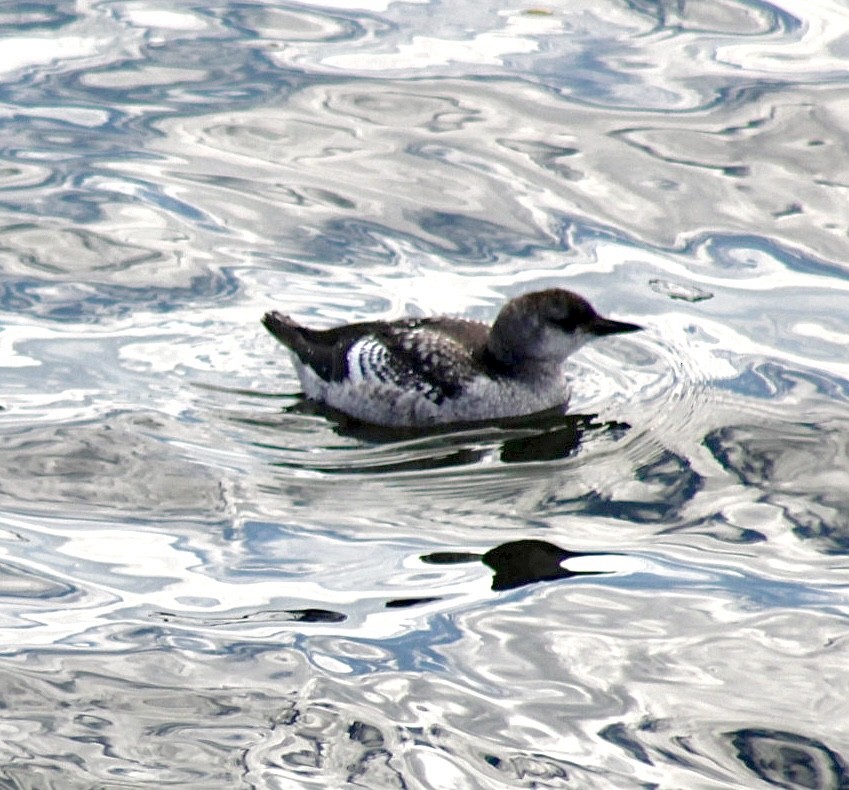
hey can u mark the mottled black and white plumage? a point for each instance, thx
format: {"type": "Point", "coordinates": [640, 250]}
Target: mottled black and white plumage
{"type": "Point", "coordinates": [428, 371]}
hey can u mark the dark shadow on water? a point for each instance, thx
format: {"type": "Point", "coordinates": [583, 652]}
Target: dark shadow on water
{"type": "Point", "coordinates": [518, 563]}
{"type": "Point", "coordinates": [407, 603]}
{"type": "Point", "coordinates": [309, 615]}
{"type": "Point", "coordinates": [545, 436]}
{"type": "Point", "coordinates": [345, 425]}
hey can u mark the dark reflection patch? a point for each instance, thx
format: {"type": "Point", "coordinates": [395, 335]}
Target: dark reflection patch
{"type": "Point", "coordinates": [518, 562]}
{"type": "Point", "coordinates": [310, 615]}
{"type": "Point", "coordinates": [406, 603]}
{"type": "Point", "coordinates": [619, 735]}
{"type": "Point", "coordinates": [524, 562]}
{"type": "Point", "coordinates": [672, 484]}
{"type": "Point", "coordinates": [794, 466]}
{"type": "Point", "coordinates": [785, 759]}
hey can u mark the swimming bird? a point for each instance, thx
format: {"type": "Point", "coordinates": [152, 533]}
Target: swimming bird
{"type": "Point", "coordinates": [417, 372]}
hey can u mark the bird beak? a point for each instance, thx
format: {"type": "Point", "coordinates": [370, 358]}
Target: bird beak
{"type": "Point", "coordinates": [607, 326]}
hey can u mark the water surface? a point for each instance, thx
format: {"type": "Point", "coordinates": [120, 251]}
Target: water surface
{"type": "Point", "coordinates": [207, 583]}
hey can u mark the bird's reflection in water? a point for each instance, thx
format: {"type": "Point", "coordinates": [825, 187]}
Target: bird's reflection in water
{"type": "Point", "coordinates": [518, 563]}
{"type": "Point", "coordinates": [544, 436]}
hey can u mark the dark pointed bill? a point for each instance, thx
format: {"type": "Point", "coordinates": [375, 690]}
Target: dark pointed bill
{"type": "Point", "coordinates": [607, 326]}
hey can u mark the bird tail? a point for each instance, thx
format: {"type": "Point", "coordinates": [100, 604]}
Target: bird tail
{"type": "Point", "coordinates": [287, 331]}
{"type": "Point", "coordinates": [313, 347]}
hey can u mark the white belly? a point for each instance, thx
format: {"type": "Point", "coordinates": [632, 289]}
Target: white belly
{"type": "Point", "coordinates": [482, 398]}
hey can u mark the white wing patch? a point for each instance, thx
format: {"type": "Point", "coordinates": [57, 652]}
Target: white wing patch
{"type": "Point", "coordinates": [368, 361]}
{"type": "Point", "coordinates": [408, 361]}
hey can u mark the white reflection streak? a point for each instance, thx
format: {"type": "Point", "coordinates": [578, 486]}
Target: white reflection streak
{"type": "Point", "coordinates": [824, 25]}
{"type": "Point", "coordinates": [26, 52]}
{"type": "Point", "coordinates": [108, 559]}
{"type": "Point", "coordinates": [809, 329]}
{"type": "Point", "coordinates": [487, 48]}
{"type": "Point", "coordinates": [169, 20]}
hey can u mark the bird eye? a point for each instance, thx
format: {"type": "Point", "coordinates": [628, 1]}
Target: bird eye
{"type": "Point", "coordinates": [567, 324]}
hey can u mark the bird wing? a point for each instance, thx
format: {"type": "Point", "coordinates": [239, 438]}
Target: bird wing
{"type": "Point", "coordinates": [417, 355]}
{"type": "Point", "coordinates": [432, 356]}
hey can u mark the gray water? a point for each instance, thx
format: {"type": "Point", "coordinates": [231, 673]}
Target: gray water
{"type": "Point", "coordinates": [206, 582]}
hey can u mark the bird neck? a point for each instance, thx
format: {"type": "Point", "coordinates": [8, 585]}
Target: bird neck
{"type": "Point", "coordinates": [512, 366]}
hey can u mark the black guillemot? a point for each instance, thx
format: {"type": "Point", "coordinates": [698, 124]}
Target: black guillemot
{"type": "Point", "coordinates": [430, 371]}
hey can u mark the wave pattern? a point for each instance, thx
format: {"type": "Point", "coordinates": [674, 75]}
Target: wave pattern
{"type": "Point", "coordinates": [208, 582]}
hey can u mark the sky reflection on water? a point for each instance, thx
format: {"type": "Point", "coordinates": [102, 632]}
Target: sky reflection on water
{"type": "Point", "coordinates": [208, 583]}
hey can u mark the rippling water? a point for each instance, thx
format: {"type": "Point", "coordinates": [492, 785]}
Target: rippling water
{"type": "Point", "coordinates": [208, 583]}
